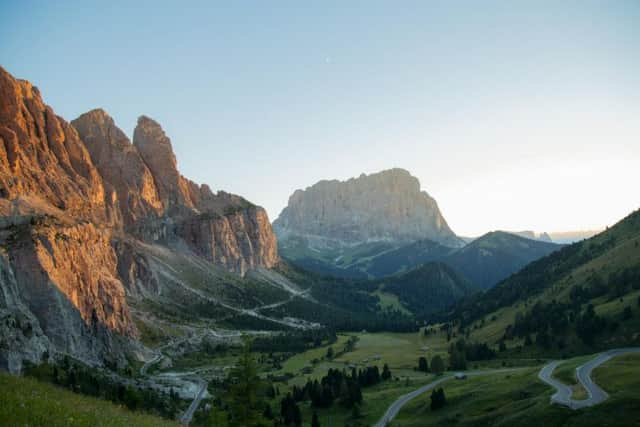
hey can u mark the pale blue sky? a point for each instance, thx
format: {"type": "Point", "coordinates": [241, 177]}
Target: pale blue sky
{"type": "Point", "coordinates": [513, 114]}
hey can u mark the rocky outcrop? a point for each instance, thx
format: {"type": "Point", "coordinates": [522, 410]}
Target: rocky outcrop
{"type": "Point", "coordinates": [385, 206]}
{"type": "Point", "coordinates": [158, 204]}
{"type": "Point", "coordinates": [222, 228]}
{"type": "Point", "coordinates": [42, 156]}
{"type": "Point", "coordinates": [120, 165]}
{"type": "Point", "coordinates": [21, 337]}
{"type": "Point", "coordinates": [77, 202]}
{"type": "Point", "coordinates": [241, 240]}
{"type": "Point", "coordinates": [156, 151]}
{"type": "Point", "coordinates": [67, 277]}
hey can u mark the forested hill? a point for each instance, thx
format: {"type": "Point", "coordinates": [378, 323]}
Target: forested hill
{"type": "Point", "coordinates": [604, 266]}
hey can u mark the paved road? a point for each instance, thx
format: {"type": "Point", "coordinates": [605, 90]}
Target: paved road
{"type": "Point", "coordinates": [188, 415]}
{"type": "Point", "coordinates": [563, 393]}
{"type": "Point", "coordinates": [147, 365]}
{"type": "Point", "coordinates": [395, 407]}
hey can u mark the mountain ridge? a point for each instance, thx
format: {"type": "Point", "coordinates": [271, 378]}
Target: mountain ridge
{"type": "Point", "coordinates": [383, 206]}
{"type": "Point", "coordinates": [85, 215]}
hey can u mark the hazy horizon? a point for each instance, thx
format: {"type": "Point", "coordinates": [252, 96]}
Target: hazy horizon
{"type": "Point", "coordinates": [513, 116]}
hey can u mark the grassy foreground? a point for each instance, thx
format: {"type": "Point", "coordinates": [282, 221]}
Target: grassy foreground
{"type": "Point", "coordinates": [28, 402]}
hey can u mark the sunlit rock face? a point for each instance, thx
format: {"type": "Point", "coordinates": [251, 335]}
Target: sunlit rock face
{"type": "Point", "coordinates": [42, 156]}
{"type": "Point", "coordinates": [74, 200]}
{"type": "Point", "coordinates": [120, 166]}
{"type": "Point", "coordinates": [385, 206]}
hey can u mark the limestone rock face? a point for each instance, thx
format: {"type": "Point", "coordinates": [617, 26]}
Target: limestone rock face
{"type": "Point", "coordinates": [68, 278]}
{"type": "Point", "coordinates": [120, 165]}
{"type": "Point", "coordinates": [242, 240]}
{"type": "Point", "coordinates": [21, 337]}
{"type": "Point", "coordinates": [42, 156]}
{"type": "Point", "coordinates": [158, 204]}
{"type": "Point", "coordinates": [385, 206]}
{"type": "Point", "coordinates": [156, 151]}
{"type": "Point", "coordinates": [75, 201]}
{"type": "Point", "coordinates": [222, 228]}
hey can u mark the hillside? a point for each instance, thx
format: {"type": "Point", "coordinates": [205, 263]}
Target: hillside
{"type": "Point", "coordinates": [428, 289]}
{"type": "Point", "coordinates": [581, 297]}
{"type": "Point", "coordinates": [484, 261]}
{"type": "Point", "coordinates": [494, 256]}
{"type": "Point", "coordinates": [28, 402]}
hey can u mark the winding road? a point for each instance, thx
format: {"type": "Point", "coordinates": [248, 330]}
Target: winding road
{"type": "Point", "coordinates": [563, 393]}
{"type": "Point", "coordinates": [188, 414]}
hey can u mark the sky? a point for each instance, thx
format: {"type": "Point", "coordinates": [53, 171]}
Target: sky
{"type": "Point", "coordinates": [513, 115]}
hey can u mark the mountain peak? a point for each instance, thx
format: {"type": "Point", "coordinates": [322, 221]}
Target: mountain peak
{"type": "Point", "coordinates": [383, 206]}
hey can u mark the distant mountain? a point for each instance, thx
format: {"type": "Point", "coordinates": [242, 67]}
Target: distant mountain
{"type": "Point", "coordinates": [572, 236]}
{"type": "Point", "coordinates": [364, 227]}
{"type": "Point", "coordinates": [485, 261]}
{"type": "Point", "coordinates": [382, 207]}
{"type": "Point", "coordinates": [543, 237]}
{"type": "Point", "coordinates": [406, 258]}
{"type": "Point", "coordinates": [496, 255]}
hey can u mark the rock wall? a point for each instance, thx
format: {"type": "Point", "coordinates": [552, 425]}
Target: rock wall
{"type": "Point", "coordinates": [160, 205]}
{"type": "Point", "coordinates": [388, 205]}
{"type": "Point", "coordinates": [74, 201]}
{"type": "Point", "coordinates": [42, 156]}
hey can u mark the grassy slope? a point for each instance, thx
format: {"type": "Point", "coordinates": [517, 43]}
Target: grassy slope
{"type": "Point", "coordinates": [624, 253]}
{"type": "Point", "coordinates": [520, 399]}
{"type": "Point", "coordinates": [429, 288]}
{"type": "Point", "coordinates": [566, 373]}
{"type": "Point", "coordinates": [399, 350]}
{"type": "Point", "coordinates": [27, 402]}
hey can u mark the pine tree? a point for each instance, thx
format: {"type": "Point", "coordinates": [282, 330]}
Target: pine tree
{"type": "Point", "coordinates": [423, 365]}
{"type": "Point", "coordinates": [243, 401]}
{"type": "Point", "coordinates": [437, 365]}
{"type": "Point", "coordinates": [386, 373]}
{"type": "Point", "coordinates": [438, 399]}
{"type": "Point", "coordinates": [527, 340]}
{"type": "Point", "coordinates": [217, 418]}
{"type": "Point", "coordinates": [315, 422]}
{"type": "Point", "coordinates": [330, 353]}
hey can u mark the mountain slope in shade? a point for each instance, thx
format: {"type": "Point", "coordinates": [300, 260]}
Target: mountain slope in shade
{"type": "Point", "coordinates": [485, 261]}
{"type": "Point", "coordinates": [496, 255]}
{"type": "Point", "coordinates": [428, 289]}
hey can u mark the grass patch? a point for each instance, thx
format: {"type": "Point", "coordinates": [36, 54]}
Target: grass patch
{"type": "Point", "coordinates": [519, 398]}
{"type": "Point", "coordinates": [28, 402]}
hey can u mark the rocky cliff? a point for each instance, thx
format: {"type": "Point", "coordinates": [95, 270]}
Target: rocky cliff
{"type": "Point", "coordinates": [75, 199]}
{"type": "Point", "coordinates": [42, 156]}
{"type": "Point", "coordinates": [385, 206]}
{"type": "Point", "coordinates": [158, 204]}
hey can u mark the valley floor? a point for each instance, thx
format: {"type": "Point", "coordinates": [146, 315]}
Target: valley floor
{"type": "Point", "coordinates": [511, 396]}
